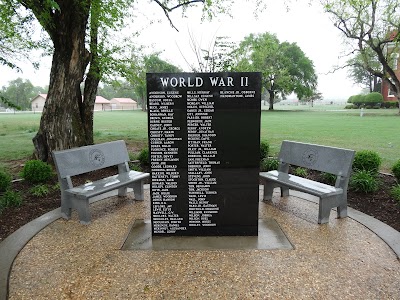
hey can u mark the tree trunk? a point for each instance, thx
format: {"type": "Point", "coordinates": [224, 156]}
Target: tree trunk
{"type": "Point", "coordinates": [271, 99]}
{"type": "Point", "coordinates": [64, 119]}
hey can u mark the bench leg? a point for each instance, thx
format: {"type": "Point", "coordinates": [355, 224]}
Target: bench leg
{"type": "Point", "coordinates": [284, 191]}
{"type": "Point", "coordinates": [66, 207]}
{"type": "Point", "coordinates": [122, 192]}
{"type": "Point", "coordinates": [138, 190]}
{"type": "Point", "coordinates": [342, 209]}
{"type": "Point", "coordinates": [82, 207]}
{"type": "Point", "coordinates": [268, 191]}
{"type": "Point", "coordinates": [324, 211]}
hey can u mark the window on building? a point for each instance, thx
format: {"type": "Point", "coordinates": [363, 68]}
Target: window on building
{"type": "Point", "coordinates": [395, 63]}
{"type": "Point", "coordinates": [391, 93]}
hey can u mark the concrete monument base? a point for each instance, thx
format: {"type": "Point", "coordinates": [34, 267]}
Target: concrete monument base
{"type": "Point", "coordinates": [270, 237]}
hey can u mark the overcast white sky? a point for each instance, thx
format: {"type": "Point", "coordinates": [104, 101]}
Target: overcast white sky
{"type": "Point", "coordinates": [306, 25]}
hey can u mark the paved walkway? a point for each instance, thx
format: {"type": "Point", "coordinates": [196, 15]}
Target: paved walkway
{"type": "Point", "coordinates": [339, 260]}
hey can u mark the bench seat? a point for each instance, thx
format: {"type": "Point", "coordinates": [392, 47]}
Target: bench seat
{"type": "Point", "coordinates": [82, 160]}
{"type": "Point", "coordinates": [301, 184]}
{"type": "Point", "coordinates": [95, 188]}
{"type": "Point", "coordinates": [336, 161]}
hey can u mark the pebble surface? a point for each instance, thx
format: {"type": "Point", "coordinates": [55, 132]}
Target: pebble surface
{"type": "Point", "coordinates": [339, 260]}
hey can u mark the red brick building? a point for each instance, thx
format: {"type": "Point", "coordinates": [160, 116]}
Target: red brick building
{"type": "Point", "coordinates": [387, 94]}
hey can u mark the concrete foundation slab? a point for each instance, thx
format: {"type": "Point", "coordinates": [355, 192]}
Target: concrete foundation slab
{"type": "Point", "coordinates": [270, 237]}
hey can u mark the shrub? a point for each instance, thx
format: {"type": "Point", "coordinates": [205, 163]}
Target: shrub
{"type": "Point", "coordinates": [132, 156]}
{"type": "Point", "coordinates": [396, 170]}
{"type": "Point", "coordinates": [5, 181]}
{"type": "Point", "coordinates": [264, 149]}
{"type": "Point", "coordinates": [350, 100]}
{"type": "Point", "coordinates": [390, 104]}
{"type": "Point", "coordinates": [37, 171]}
{"type": "Point", "coordinates": [373, 97]}
{"type": "Point", "coordinates": [363, 181]}
{"type": "Point", "coordinates": [144, 157]}
{"type": "Point", "coordinates": [10, 198]}
{"type": "Point", "coordinates": [269, 164]}
{"type": "Point", "coordinates": [328, 178]}
{"type": "Point", "coordinates": [367, 160]}
{"type": "Point", "coordinates": [358, 99]}
{"type": "Point", "coordinates": [301, 172]}
{"type": "Point", "coordinates": [55, 187]}
{"type": "Point", "coordinates": [395, 192]}
{"type": "Point", "coordinates": [39, 190]}
{"type": "Point", "coordinates": [350, 106]}
{"type": "Point", "coordinates": [135, 167]}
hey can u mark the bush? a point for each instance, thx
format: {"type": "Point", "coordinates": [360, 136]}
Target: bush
{"type": "Point", "coordinates": [5, 181]}
{"type": "Point", "coordinates": [358, 99]}
{"type": "Point", "coordinates": [135, 167]}
{"type": "Point", "coordinates": [328, 178]}
{"type": "Point", "coordinates": [40, 190]}
{"type": "Point", "coordinates": [350, 100]}
{"type": "Point", "coordinates": [264, 149]}
{"type": "Point", "coordinates": [301, 172]}
{"type": "Point", "coordinates": [37, 171]}
{"type": "Point", "coordinates": [395, 192]}
{"type": "Point", "coordinates": [10, 198]}
{"type": "Point", "coordinates": [363, 181]}
{"type": "Point", "coordinates": [367, 160]}
{"type": "Point", "coordinates": [144, 157]}
{"type": "Point", "coordinates": [396, 170]}
{"type": "Point", "coordinates": [350, 106]}
{"type": "Point", "coordinates": [373, 97]}
{"type": "Point", "coordinates": [390, 104]}
{"type": "Point", "coordinates": [269, 164]}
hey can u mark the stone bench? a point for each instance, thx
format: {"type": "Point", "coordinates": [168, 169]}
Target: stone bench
{"type": "Point", "coordinates": [331, 160]}
{"type": "Point", "coordinates": [86, 159]}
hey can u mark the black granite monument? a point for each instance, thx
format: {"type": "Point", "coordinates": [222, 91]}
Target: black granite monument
{"type": "Point", "coordinates": [204, 141]}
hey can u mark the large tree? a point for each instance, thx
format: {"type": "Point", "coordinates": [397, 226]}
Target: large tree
{"type": "Point", "coordinates": [134, 71]}
{"type": "Point", "coordinates": [214, 57]}
{"type": "Point", "coordinates": [78, 31]}
{"type": "Point", "coordinates": [358, 71]}
{"type": "Point", "coordinates": [19, 92]}
{"type": "Point", "coordinates": [284, 66]}
{"type": "Point", "coordinates": [371, 26]}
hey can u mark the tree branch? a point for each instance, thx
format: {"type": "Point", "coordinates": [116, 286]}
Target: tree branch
{"type": "Point", "coordinates": [167, 9]}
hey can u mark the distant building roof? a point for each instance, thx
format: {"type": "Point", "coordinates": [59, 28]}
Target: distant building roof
{"type": "Point", "coordinates": [124, 100]}
{"type": "Point", "coordinates": [101, 100]}
{"type": "Point", "coordinates": [44, 96]}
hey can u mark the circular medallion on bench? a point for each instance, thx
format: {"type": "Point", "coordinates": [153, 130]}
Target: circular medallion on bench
{"type": "Point", "coordinates": [96, 157]}
{"type": "Point", "coordinates": [310, 157]}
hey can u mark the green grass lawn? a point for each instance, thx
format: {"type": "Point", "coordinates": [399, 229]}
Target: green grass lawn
{"type": "Point", "coordinates": [377, 130]}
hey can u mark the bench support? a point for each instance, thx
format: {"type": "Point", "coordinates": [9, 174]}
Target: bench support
{"type": "Point", "coordinates": [77, 161]}
{"type": "Point", "coordinates": [336, 161]}
{"type": "Point", "coordinates": [325, 203]}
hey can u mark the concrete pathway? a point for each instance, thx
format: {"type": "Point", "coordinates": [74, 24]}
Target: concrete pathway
{"type": "Point", "coordinates": [340, 260]}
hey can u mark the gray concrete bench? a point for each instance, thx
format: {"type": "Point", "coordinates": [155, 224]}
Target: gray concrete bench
{"type": "Point", "coordinates": [331, 160]}
{"type": "Point", "coordinates": [86, 159]}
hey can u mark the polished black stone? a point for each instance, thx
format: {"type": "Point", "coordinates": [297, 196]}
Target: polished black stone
{"type": "Point", "coordinates": [204, 141]}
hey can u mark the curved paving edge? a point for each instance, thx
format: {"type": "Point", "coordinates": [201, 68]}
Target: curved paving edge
{"type": "Point", "coordinates": [13, 244]}
{"type": "Point", "coordinates": [387, 233]}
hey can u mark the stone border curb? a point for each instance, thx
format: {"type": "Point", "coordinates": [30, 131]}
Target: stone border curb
{"type": "Point", "coordinates": [388, 234]}
{"type": "Point", "coordinates": [13, 244]}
